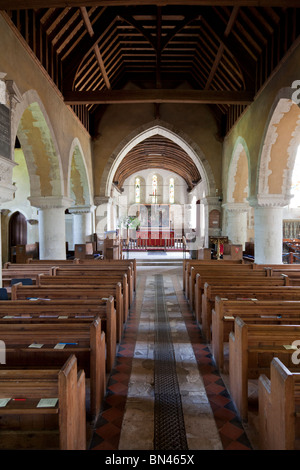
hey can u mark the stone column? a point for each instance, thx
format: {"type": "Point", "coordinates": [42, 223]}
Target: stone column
{"type": "Point", "coordinates": [212, 217]}
{"type": "Point", "coordinates": [52, 229]}
{"type": "Point", "coordinates": [103, 212]}
{"type": "Point", "coordinates": [268, 211]}
{"type": "Point", "coordinates": [82, 224]}
{"type": "Point", "coordinates": [236, 227]}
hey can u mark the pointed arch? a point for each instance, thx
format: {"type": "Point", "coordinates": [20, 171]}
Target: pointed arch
{"type": "Point", "coordinates": [279, 148]}
{"type": "Point", "coordinates": [163, 129]}
{"type": "Point", "coordinates": [238, 175]}
{"type": "Point", "coordinates": [31, 124]}
{"type": "Point", "coordinates": [79, 188]}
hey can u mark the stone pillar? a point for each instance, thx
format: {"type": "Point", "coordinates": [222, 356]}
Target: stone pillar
{"type": "Point", "coordinates": [52, 229]}
{"type": "Point", "coordinates": [82, 224]}
{"type": "Point", "coordinates": [237, 218]}
{"type": "Point", "coordinates": [268, 211]}
{"type": "Point", "coordinates": [212, 218]}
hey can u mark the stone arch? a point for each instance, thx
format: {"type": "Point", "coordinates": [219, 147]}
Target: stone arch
{"type": "Point", "coordinates": [278, 150]}
{"type": "Point", "coordinates": [32, 126]}
{"type": "Point", "coordinates": [238, 175]}
{"type": "Point", "coordinates": [166, 130]}
{"type": "Point", "coordinates": [79, 188]}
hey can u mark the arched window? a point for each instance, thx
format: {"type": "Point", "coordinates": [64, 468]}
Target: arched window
{"type": "Point", "coordinates": [171, 191]}
{"type": "Point", "coordinates": [137, 190]}
{"type": "Point", "coordinates": [154, 189]}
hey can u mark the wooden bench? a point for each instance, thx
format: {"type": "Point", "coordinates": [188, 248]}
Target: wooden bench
{"type": "Point", "coordinates": [112, 262]}
{"type": "Point", "coordinates": [59, 339]}
{"type": "Point", "coordinates": [251, 350]}
{"type": "Point", "coordinates": [205, 264]}
{"type": "Point", "coordinates": [242, 270]}
{"type": "Point", "coordinates": [188, 263]}
{"type": "Point", "coordinates": [70, 310]}
{"type": "Point", "coordinates": [229, 281]}
{"type": "Point", "coordinates": [25, 424]}
{"type": "Point", "coordinates": [251, 311]}
{"type": "Point", "coordinates": [20, 292]}
{"type": "Point", "coordinates": [112, 272]}
{"type": "Point", "coordinates": [100, 281]}
{"type": "Point", "coordinates": [261, 292]}
{"type": "Point", "coordinates": [279, 405]}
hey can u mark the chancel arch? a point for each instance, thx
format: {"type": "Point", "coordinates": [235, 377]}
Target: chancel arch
{"type": "Point", "coordinates": [156, 146]}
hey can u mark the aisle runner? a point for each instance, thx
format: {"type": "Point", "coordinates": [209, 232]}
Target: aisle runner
{"type": "Point", "coordinates": [146, 424]}
{"type": "Point", "coordinates": [169, 429]}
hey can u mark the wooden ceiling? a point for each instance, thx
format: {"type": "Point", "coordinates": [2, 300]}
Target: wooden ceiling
{"type": "Point", "coordinates": [217, 52]}
{"type": "Point", "coordinates": [158, 152]}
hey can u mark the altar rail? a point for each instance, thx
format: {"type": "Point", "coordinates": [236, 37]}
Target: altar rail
{"type": "Point", "coordinates": [173, 244]}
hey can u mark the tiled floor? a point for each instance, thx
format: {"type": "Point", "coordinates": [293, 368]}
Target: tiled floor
{"type": "Point", "coordinates": [127, 418]}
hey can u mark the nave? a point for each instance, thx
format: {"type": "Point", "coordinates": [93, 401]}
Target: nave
{"type": "Point", "coordinates": [187, 408]}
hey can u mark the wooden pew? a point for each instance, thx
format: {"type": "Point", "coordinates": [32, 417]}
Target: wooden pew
{"type": "Point", "coordinates": [81, 281]}
{"type": "Point", "coordinates": [188, 263]}
{"type": "Point", "coordinates": [242, 270]}
{"type": "Point", "coordinates": [250, 311]}
{"type": "Point", "coordinates": [106, 271]}
{"type": "Point", "coordinates": [75, 310]}
{"type": "Point", "coordinates": [204, 266]}
{"type": "Point", "coordinates": [20, 292]}
{"type": "Point", "coordinates": [279, 404]}
{"type": "Point", "coordinates": [85, 340]}
{"type": "Point", "coordinates": [231, 281]}
{"type": "Point", "coordinates": [251, 350]}
{"type": "Point", "coordinates": [26, 425]}
{"type": "Point", "coordinates": [112, 262]}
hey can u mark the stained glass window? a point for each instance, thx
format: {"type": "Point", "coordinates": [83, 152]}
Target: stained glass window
{"type": "Point", "coordinates": [137, 190]}
{"type": "Point", "coordinates": [171, 191]}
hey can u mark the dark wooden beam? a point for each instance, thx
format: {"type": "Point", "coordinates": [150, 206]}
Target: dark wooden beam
{"type": "Point", "coordinates": [158, 96]}
{"type": "Point", "coordinates": [222, 46]}
{"type": "Point", "coordinates": [97, 52]}
{"type": "Point", "coordinates": [27, 4]}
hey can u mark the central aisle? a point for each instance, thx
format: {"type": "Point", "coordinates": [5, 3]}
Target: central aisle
{"type": "Point", "coordinates": [164, 392]}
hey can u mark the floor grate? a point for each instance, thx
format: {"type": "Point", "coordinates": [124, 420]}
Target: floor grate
{"type": "Point", "coordinates": [169, 429]}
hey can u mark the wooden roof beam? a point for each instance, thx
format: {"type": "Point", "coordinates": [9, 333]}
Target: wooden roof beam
{"type": "Point", "coordinates": [97, 52]}
{"type": "Point", "coordinates": [158, 96]}
{"type": "Point", "coordinates": [27, 4]}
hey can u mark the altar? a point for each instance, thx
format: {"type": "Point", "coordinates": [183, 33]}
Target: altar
{"type": "Point", "coordinates": [155, 226]}
{"type": "Point", "coordinates": [155, 238]}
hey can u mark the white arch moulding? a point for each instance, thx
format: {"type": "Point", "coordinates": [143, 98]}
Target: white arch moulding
{"type": "Point", "coordinates": [165, 130]}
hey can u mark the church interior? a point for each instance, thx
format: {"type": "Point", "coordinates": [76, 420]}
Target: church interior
{"type": "Point", "coordinates": [150, 225]}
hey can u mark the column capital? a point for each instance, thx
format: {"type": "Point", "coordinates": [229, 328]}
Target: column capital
{"type": "Point", "coordinates": [51, 202]}
{"type": "Point", "coordinates": [211, 201]}
{"type": "Point", "coordinates": [99, 200]}
{"type": "Point", "coordinates": [80, 209]}
{"type": "Point", "coordinates": [269, 200]}
{"type": "Point", "coordinates": [237, 207]}
{"type": "Point", "coordinates": [7, 189]}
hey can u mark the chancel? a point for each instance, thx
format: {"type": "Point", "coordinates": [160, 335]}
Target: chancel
{"type": "Point", "coordinates": [150, 227]}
